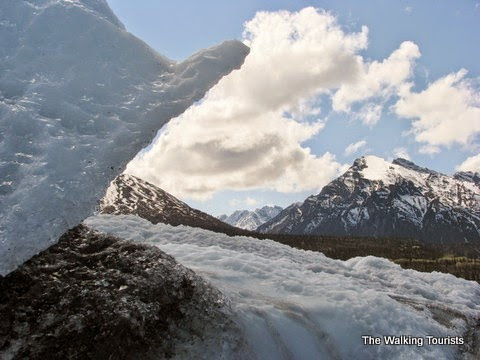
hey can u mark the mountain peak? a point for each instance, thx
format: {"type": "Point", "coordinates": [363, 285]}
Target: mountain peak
{"type": "Point", "coordinates": [369, 161]}
{"type": "Point", "coordinates": [375, 168]}
{"type": "Point", "coordinates": [378, 163]}
{"type": "Point", "coordinates": [251, 220]}
{"type": "Point", "coordinates": [129, 194]}
{"type": "Point", "coordinates": [412, 166]}
{"type": "Point", "coordinates": [378, 198]}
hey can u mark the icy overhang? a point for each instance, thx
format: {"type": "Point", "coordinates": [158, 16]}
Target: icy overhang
{"type": "Point", "coordinates": [79, 98]}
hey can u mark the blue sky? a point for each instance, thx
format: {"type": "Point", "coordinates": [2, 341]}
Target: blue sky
{"type": "Point", "coordinates": [445, 32]}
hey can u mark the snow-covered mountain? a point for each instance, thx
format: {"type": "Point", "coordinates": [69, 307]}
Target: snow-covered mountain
{"type": "Point", "coordinates": [128, 194]}
{"type": "Point", "coordinates": [251, 220]}
{"type": "Point", "coordinates": [79, 98]}
{"type": "Point", "coordinates": [399, 199]}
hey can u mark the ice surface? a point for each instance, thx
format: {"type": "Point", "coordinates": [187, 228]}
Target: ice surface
{"type": "Point", "coordinates": [295, 304]}
{"type": "Point", "coordinates": [79, 97]}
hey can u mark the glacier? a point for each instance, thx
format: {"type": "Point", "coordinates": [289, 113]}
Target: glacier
{"type": "Point", "coordinates": [295, 304]}
{"type": "Point", "coordinates": [79, 98]}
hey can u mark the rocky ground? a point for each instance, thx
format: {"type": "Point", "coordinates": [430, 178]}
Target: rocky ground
{"type": "Point", "coordinates": [93, 296]}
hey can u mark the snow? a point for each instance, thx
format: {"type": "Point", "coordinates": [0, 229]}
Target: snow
{"type": "Point", "coordinates": [294, 304]}
{"type": "Point", "coordinates": [138, 191]}
{"type": "Point", "coordinates": [251, 220]}
{"type": "Point", "coordinates": [450, 191]}
{"type": "Point", "coordinates": [79, 98]}
{"type": "Point", "coordinates": [377, 168]}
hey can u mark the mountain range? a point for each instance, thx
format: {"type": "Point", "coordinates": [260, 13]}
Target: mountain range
{"type": "Point", "coordinates": [372, 198]}
{"type": "Point", "coordinates": [400, 199]}
{"type": "Point", "coordinates": [251, 220]}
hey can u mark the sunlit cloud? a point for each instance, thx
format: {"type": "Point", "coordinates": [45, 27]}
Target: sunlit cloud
{"type": "Point", "coordinates": [446, 113]}
{"type": "Point", "coordinates": [470, 164]}
{"type": "Point", "coordinates": [239, 137]}
{"type": "Point", "coordinates": [401, 152]}
{"type": "Point", "coordinates": [250, 131]}
{"type": "Point", "coordinates": [354, 147]}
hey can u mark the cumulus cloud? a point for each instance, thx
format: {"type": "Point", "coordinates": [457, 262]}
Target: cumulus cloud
{"type": "Point", "coordinates": [470, 164]}
{"type": "Point", "coordinates": [379, 81]}
{"type": "Point", "coordinates": [249, 201]}
{"type": "Point", "coordinates": [447, 112]}
{"type": "Point", "coordinates": [429, 149]}
{"type": "Point", "coordinates": [401, 152]}
{"type": "Point", "coordinates": [249, 130]}
{"type": "Point", "coordinates": [354, 147]}
{"type": "Point", "coordinates": [369, 114]}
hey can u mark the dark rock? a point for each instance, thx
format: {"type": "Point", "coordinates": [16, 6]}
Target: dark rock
{"type": "Point", "coordinates": [412, 166]}
{"type": "Point", "coordinates": [93, 296]}
{"type": "Point", "coordinates": [468, 176]}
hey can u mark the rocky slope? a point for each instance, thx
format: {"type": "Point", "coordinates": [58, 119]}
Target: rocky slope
{"type": "Point", "coordinates": [399, 199]}
{"type": "Point", "coordinates": [251, 220]}
{"type": "Point", "coordinates": [94, 296]}
{"type": "Point", "coordinates": [129, 194]}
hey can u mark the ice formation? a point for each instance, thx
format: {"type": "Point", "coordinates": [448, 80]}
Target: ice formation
{"type": "Point", "coordinates": [295, 304]}
{"type": "Point", "coordinates": [79, 98]}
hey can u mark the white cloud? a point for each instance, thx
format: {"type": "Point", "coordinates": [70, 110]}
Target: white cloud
{"type": "Point", "coordinates": [249, 131]}
{"type": "Point", "coordinates": [401, 152]}
{"type": "Point", "coordinates": [234, 202]}
{"type": "Point", "coordinates": [444, 114]}
{"type": "Point", "coordinates": [379, 80]}
{"type": "Point", "coordinates": [249, 201]}
{"type": "Point", "coordinates": [354, 147]}
{"type": "Point", "coordinates": [429, 149]}
{"type": "Point", "coordinates": [369, 114]}
{"type": "Point", "coordinates": [470, 164]}
{"type": "Point", "coordinates": [408, 9]}
{"type": "Point", "coordinates": [239, 137]}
